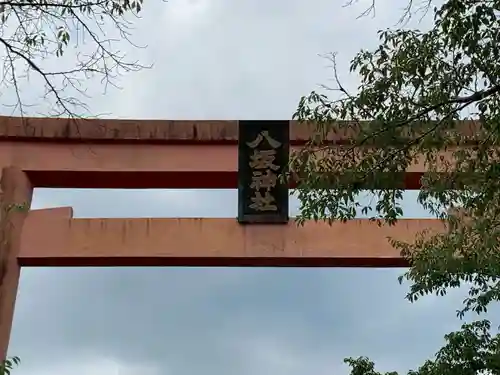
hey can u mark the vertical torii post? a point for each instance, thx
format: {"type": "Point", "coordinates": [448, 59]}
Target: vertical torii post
{"type": "Point", "coordinates": [15, 200]}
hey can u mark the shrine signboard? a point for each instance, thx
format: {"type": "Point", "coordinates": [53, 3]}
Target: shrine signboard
{"type": "Point", "coordinates": [263, 152]}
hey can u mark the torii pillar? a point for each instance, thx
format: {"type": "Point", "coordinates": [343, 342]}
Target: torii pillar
{"type": "Point", "coordinates": [62, 153]}
{"type": "Point", "coordinates": [15, 200]}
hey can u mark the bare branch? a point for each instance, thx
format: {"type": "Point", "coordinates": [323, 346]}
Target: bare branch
{"type": "Point", "coordinates": [36, 34]}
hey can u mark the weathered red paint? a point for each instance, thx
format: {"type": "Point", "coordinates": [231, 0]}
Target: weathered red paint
{"type": "Point", "coordinates": [158, 154]}
{"type": "Point", "coordinates": [15, 200]}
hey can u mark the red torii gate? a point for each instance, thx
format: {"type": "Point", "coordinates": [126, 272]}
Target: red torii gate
{"type": "Point", "coordinates": [61, 153]}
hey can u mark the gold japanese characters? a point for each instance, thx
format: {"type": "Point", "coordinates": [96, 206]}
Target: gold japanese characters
{"type": "Point", "coordinates": [264, 177]}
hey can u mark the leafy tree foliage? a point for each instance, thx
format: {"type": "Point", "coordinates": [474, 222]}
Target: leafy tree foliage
{"type": "Point", "coordinates": [60, 44]}
{"type": "Point", "coordinates": [8, 364]}
{"type": "Point", "coordinates": [414, 88]}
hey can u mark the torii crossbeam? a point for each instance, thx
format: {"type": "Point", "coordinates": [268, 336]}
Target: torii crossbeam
{"type": "Point", "coordinates": [60, 153]}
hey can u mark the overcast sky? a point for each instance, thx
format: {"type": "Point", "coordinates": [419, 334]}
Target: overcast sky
{"type": "Point", "coordinates": [223, 59]}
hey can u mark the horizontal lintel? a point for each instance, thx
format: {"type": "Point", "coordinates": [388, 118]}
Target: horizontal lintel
{"type": "Point", "coordinates": [51, 239]}
{"type": "Point", "coordinates": [136, 166]}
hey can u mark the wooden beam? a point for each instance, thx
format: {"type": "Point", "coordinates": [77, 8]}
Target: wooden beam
{"type": "Point", "coordinates": [155, 131]}
{"type": "Point", "coordinates": [136, 154]}
{"type": "Point", "coordinates": [137, 166]}
{"type": "Point", "coordinates": [53, 240]}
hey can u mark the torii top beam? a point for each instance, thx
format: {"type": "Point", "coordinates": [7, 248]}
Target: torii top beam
{"type": "Point", "coordinates": [64, 153]}
{"type": "Point", "coordinates": [212, 132]}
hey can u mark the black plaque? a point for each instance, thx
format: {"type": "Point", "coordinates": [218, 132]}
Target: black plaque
{"type": "Point", "coordinates": [263, 151]}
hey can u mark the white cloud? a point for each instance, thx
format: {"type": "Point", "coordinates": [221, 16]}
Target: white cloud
{"type": "Point", "coordinates": [268, 355]}
{"type": "Point", "coordinates": [182, 17]}
{"type": "Point", "coordinates": [93, 365]}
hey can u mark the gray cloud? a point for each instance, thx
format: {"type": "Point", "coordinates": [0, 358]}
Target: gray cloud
{"type": "Point", "coordinates": [217, 320]}
{"type": "Point", "coordinates": [222, 60]}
